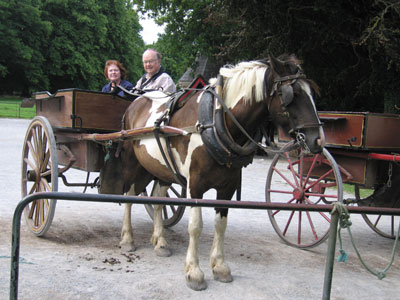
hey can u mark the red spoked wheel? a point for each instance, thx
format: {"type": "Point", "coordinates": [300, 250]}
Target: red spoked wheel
{"type": "Point", "coordinates": [171, 214]}
{"type": "Point", "coordinates": [39, 174]}
{"type": "Point", "coordinates": [300, 178]}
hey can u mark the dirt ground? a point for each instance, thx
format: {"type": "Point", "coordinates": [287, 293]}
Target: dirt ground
{"type": "Point", "coordinates": [79, 257]}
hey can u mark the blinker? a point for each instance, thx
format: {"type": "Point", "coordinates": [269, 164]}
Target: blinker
{"type": "Point", "coordinates": [287, 94]}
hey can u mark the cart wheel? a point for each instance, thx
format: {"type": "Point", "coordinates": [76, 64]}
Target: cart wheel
{"type": "Point", "coordinates": [384, 225]}
{"type": "Point", "coordinates": [171, 214]}
{"type": "Point", "coordinates": [39, 174]}
{"type": "Point", "coordinates": [301, 178]}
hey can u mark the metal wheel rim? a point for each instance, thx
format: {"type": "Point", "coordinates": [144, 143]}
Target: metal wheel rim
{"type": "Point", "coordinates": [171, 214]}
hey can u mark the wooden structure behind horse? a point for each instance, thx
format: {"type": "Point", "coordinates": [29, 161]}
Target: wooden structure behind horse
{"type": "Point", "coordinates": [254, 93]}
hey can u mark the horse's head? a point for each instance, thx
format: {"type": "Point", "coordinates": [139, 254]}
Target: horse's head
{"type": "Point", "coordinates": [111, 174]}
{"type": "Point", "coordinates": [121, 170]}
{"type": "Point", "coordinates": [291, 104]}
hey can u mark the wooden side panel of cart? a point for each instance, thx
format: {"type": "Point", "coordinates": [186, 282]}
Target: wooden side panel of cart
{"type": "Point", "coordinates": [351, 136]}
{"type": "Point", "coordinates": [82, 111]}
{"type": "Point", "coordinates": [72, 112]}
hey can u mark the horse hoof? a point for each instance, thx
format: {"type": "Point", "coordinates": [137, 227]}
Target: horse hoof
{"type": "Point", "coordinates": [163, 252]}
{"type": "Point", "coordinates": [222, 273]}
{"type": "Point", "coordinates": [223, 277]}
{"type": "Point", "coordinates": [196, 286]}
{"type": "Point", "coordinates": [127, 247]}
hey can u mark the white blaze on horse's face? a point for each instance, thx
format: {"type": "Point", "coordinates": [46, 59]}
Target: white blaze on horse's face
{"type": "Point", "coordinates": [307, 89]}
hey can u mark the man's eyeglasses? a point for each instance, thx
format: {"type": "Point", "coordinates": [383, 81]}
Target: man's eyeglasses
{"type": "Point", "coordinates": [149, 61]}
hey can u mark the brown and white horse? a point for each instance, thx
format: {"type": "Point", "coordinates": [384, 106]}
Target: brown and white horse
{"type": "Point", "coordinates": [253, 92]}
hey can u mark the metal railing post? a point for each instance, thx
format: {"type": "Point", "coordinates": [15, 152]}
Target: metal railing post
{"type": "Point", "coordinates": [330, 256]}
{"type": "Point", "coordinates": [15, 243]}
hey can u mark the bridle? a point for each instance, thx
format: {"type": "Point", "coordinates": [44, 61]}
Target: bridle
{"type": "Point", "coordinates": [283, 87]}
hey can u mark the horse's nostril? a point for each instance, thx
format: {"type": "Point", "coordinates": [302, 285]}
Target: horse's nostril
{"type": "Point", "coordinates": [319, 142]}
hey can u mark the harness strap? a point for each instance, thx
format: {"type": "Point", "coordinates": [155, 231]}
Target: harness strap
{"type": "Point", "coordinates": [290, 77]}
{"type": "Point", "coordinates": [174, 168]}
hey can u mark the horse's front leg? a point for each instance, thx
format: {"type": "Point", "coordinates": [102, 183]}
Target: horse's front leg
{"type": "Point", "coordinates": [221, 270]}
{"type": "Point", "coordinates": [127, 243]}
{"type": "Point", "coordinates": [194, 275]}
{"type": "Point", "coordinates": [158, 238]}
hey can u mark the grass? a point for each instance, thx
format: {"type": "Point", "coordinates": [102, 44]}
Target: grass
{"type": "Point", "coordinates": [364, 193]}
{"type": "Point", "coordinates": [10, 107]}
{"type": "Point", "coordinates": [348, 188]}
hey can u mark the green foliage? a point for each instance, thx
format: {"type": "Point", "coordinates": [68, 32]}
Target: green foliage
{"type": "Point", "coordinates": [54, 44]}
{"type": "Point", "coordinates": [86, 34]}
{"type": "Point", "coordinates": [188, 32]}
{"type": "Point", "coordinates": [22, 36]}
{"type": "Point", "coordinates": [123, 40]}
{"type": "Point", "coordinates": [350, 47]}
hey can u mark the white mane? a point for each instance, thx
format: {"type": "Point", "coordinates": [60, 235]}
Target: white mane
{"type": "Point", "coordinates": [245, 80]}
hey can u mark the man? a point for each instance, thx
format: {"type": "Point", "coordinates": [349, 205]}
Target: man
{"type": "Point", "coordinates": [155, 77]}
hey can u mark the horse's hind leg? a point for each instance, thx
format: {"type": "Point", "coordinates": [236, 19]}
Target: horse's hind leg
{"type": "Point", "coordinates": [127, 243]}
{"type": "Point", "coordinates": [221, 270]}
{"type": "Point", "coordinates": [158, 238]}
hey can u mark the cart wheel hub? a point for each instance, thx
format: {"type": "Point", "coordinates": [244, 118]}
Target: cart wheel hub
{"type": "Point", "coordinates": [31, 175]}
{"type": "Point", "coordinates": [298, 194]}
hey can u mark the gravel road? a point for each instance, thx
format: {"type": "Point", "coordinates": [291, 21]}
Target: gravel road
{"type": "Point", "coordinates": [79, 257]}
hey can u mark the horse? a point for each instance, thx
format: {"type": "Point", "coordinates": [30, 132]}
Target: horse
{"type": "Point", "coordinates": [245, 96]}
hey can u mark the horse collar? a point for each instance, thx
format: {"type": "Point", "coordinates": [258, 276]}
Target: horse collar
{"type": "Point", "coordinates": [216, 137]}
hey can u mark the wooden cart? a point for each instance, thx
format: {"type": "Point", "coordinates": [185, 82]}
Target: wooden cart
{"type": "Point", "coordinates": [70, 131]}
{"type": "Point", "coordinates": [364, 145]}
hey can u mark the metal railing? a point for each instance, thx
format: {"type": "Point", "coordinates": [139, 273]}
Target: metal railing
{"type": "Point", "coordinates": [16, 224]}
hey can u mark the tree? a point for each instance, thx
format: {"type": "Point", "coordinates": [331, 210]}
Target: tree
{"type": "Point", "coordinates": [188, 33]}
{"type": "Point", "coordinates": [54, 44]}
{"type": "Point", "coordinates": [22, 34]}
{"type": "Point", "coordinates": [85, 34]}
{"type": "Point", "coordinates": [350, 47]}
{"type": "Point", "coordinates": [123, 40]}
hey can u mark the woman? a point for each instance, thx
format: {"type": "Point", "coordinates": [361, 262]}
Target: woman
{"type": "Point", "coordinates": [115, 72]}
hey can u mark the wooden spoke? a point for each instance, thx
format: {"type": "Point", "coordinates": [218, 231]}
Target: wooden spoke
{"type": "Point", "coordinates": [32, 210]}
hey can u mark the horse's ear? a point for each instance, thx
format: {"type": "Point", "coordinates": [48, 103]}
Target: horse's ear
{"type": "Point", "coordinates": [277, 65]}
